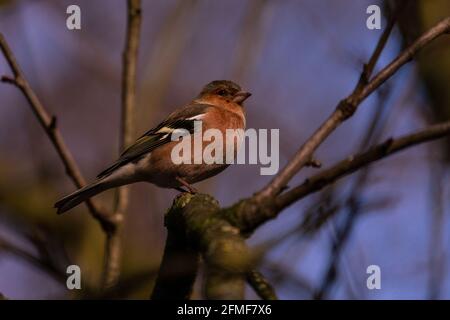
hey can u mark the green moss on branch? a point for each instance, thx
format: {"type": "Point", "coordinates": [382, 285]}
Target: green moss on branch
{"type": "Point", "coordinates": [197, 219]}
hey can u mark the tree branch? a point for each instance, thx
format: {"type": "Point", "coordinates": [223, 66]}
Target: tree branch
{"type": "Point", "coordinates": [226, 256]}
{"type": "Point", "coordinates": [350, 208]}
{"type": "Point", "coordinates": [370, 65]}
{"type": "Point", "coordinates": [44, 264]}
{"type": "Point", "coordinates": [249, 213]}
{"type": "Point", "coordinates": [113, 244]}
{"type": "Point", "coordinates": [348, 106]}
{"type": "Point", "coordinates": [49, 124]}
{"type": "Point", "coordinates": [352, 164]}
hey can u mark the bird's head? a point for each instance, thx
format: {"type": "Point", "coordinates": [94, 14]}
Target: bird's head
{"type": "Point", "coordinates": [223, 91]}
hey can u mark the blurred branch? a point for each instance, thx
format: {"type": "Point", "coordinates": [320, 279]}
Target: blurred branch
{"type": "Point", "coordinates": [46, 265]}
{"type": "Point", "coordinates": [49, 124]}
{"type": "Point", "coordinates": [166, 51]}
{"type": "Point", "coordinates": [250, 39]}
{"type": "Point", "coordinates": [113, 245]}
{"type": "Point", "coordinates": [352, 203]}
{"type": "Point", "coordinates": [109, 222]}
{"type": "Point", "coordinates": [249, 213]}
{"type": "Point", "coordinates": [130, 58]}
{"type": "Point", "coordinates": [261, 286]}
{"type": "Point", "coordinates": [340, 239]}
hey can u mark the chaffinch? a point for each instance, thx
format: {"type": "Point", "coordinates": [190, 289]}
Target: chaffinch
{"type": "Point", "coordinates": [218, 106]}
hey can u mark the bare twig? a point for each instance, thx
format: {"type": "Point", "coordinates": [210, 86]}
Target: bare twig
{"type": "Point", "coordinates": [237, 215]}
{"type": "Point", "coordinates": [130, 58]}
{"type": "Point", "coordinates": [368, 68]}
{"type": "Point", "coordinates": [249, 213]}
{"type": "Point", "coordinates": [373, 134]}
{"type": "Point", "coordinates": [347, 107]}
{"type": "Point", "coordinates": [111, 260]}
{"type": "Point", "coordinates": [49, 124]}
{"type": "Point", "coordinates": [351, 207]}
{"type": "Point", "coordinates": [346, 167]}
{"type": "Point", "coordinates": [113, 244]}
{"type": "Point", "coordinates": [354, 163]}
{"type": "Point", "coordinates": [340, 239]}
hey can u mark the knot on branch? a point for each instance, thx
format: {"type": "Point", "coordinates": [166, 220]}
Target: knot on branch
{"type": "Point", "coordinates": [52, 124]}
{"type": "Point", "coordinates": [347, 107]}
{"type": "Point", "coordinates": [314, 163]}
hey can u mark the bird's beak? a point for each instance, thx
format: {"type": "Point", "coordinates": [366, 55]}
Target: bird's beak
{"type": "Point", "coordinates": [241, 96]}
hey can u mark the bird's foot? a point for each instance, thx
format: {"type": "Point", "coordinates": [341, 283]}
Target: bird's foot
{"type": "Point", "coordinates": [190, 188]}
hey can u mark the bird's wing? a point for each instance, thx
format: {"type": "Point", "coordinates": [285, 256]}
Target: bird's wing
{"type": "Point", "coordinates": [180, 119]}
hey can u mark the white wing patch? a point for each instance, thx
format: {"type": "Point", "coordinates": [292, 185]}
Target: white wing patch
{"type": "Point", "coordinates": [197, 117]}
{"type": "Point", "coordinates": [165, 130]}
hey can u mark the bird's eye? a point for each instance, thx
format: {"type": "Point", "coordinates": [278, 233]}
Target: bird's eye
{"type": "Point", "coordinates": [222, 92]}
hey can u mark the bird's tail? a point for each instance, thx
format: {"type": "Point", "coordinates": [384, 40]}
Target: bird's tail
{"type": "Point", "coordinates": [81, 195]}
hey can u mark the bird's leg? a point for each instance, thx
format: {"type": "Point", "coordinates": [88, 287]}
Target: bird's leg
{"type": "Point", "coordinates": [180, 189]}
{"type": "Point", "coordinates": [190, 188]}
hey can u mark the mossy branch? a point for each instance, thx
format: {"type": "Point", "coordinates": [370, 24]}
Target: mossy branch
{"type": "Point", "coordinates": [195, 220]}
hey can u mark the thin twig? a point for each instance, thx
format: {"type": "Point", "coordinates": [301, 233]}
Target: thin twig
{"type": "Point", "coordinates": [368, 68]}
{"type": "Point", "coordinates": [44, 264]}
{"type": "Point", "coordinates": [372, 136]}
{"type": "Point", "coordinates": [113, 244]}
{"type": "Point", "coordinates": [350, 207]}
{"type": "Point", "coordinates": [340, 239]}
{"type": "Point", "coordinates": [49, 124]}
{"type": "Point", "coordinates": [250, 213]}
{"type": "Point", "coordinates": [130, 59]}
{"type": "Point", "coordinates": [347, 107]}
{"type": "Point", "coordinates": [353, 163]}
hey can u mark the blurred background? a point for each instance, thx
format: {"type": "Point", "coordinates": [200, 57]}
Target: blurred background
{"type": "Point", "coordinates": [298, 58]}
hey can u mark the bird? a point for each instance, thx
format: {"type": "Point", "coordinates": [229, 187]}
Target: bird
{"type": "Point", "coordinates": [218, 106]}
